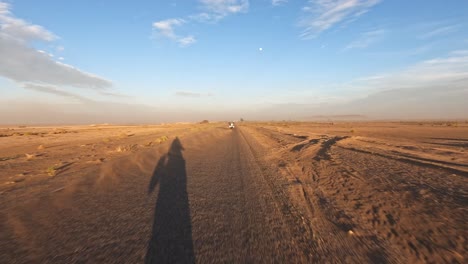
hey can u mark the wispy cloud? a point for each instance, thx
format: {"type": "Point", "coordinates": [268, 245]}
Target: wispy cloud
{"type": "Point", "coordinates": [55, 91]}
{"type": "Point", "coordinates": [165, 28]}
{"type": "Point", "coordinates": [459, 53]}
{"type": "Point", "coordinates": [192, 94]}
{"type": "Point", "coordinates": [440, 31]}
{"type": "Point", "coordinates": [441, 75]}
{"type": "Point", "coordinates": [49, 89]}
{"type": "Point", "coordinates": [186, 41]}
{"type": "Point", "coordinates": [324, 14]}
{"type": "Point", "coordinates": [449, 72]}
{"type": "Point", "coordinates": [366, 39]}
{"type": "Point", "coordinates": [20, 29]}
{"type": "Point", "coordinates": [435, 88]}
{"type": "Point", "coordinates": [114, 94]}
{"type": "Point", "coordinates": [225, 7]}
{"type": "Point", "coordinates": [22, 63]}
{"type": "Point", "coordinates": [212, 12]}
{"type": "Point", "coordinates": [216, 10]}
{"type": "Point", "coordinates": [278, 2]}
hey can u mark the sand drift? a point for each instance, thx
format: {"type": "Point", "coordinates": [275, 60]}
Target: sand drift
{"type": "Point", "coordinates": [259, 193]}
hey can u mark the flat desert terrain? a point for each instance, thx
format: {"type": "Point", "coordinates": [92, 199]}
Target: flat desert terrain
{"type": "Point", "coordinates": [279, 192]}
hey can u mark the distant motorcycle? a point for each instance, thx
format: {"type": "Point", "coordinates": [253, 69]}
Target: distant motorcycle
{"type": "Point", "coordinates": [231, 125]}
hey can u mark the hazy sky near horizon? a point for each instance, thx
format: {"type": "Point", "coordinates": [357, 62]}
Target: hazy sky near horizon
{"type": "Point", "coordinates": [151, 61]}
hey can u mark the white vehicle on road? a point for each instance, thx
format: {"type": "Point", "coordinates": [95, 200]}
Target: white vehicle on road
{"type": "Point", "coordinates": [231, 125]}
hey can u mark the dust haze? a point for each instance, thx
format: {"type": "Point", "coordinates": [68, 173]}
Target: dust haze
{"type": "Point", "coordinates": [429, 103]}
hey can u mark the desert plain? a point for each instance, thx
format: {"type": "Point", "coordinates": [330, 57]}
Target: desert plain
{"type": "Point", "coordinates": [264, 192]}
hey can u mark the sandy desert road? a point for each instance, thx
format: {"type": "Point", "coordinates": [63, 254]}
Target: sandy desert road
{"type": "Point", "coordinates": [205, 198]}
{"type": "Point", "coordinates": [261, 193]}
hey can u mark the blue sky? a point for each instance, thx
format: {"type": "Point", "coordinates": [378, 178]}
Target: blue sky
{"type": "Point", "coordinates": [222, 59]}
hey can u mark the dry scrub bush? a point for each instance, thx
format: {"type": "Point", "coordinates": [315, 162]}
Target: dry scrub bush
{"type": "Point", "coordinates": [51, 171]}
{"type": "Point", "coordinates": [161, 139]}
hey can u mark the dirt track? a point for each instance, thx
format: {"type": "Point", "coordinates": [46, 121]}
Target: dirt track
{"type": "Point", "coordinates": [254, 194]}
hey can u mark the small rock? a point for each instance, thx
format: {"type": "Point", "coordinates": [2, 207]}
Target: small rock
{"type": "Point", "coordinates": [19, 179]}
{"type": "Point", "coordinates": [350, 232]}
{"type": "Point", "coordinates": [41, 147]}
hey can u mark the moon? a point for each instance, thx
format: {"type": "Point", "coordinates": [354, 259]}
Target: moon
{"type": "Point", "coordinates": [260, 49]}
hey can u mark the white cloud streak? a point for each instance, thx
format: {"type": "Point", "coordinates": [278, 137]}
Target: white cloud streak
{"type": "Point", "coordinates": [166, 27]}
{"type": "Point", "coordinates": [450, 71]}
{"type": "Point", "coordinates": [321, 15]}
{"type": "Point", "coordinates": [216, 10]}
{"type": "Point", "coordinates": [435, 88]}
{"type": "Point", "coordinates": [192, 94]}
{"type": "Point", "coordinates": [440, 31]}
{"type": "Point", "coordinates": [442, 77]}
{"type": "Point", "coordinates": [55, 91]}
{"type": "Point", "coordinates": [278, 2]}
{"type": "Point", "coordinates": [213, 11]}
{"type": "Point", "coordinates": [225, 7]}
{"type": "Point", "coordinates": [366, 39]}
{"type": "Point", "coordinates": [186, 41]}
{"type": "Point", "coordinates": [22, 63]}
{"type": "Point", "coordinates": [20, 29]}
{"type": "Point", "coordinates": [431, 89]}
